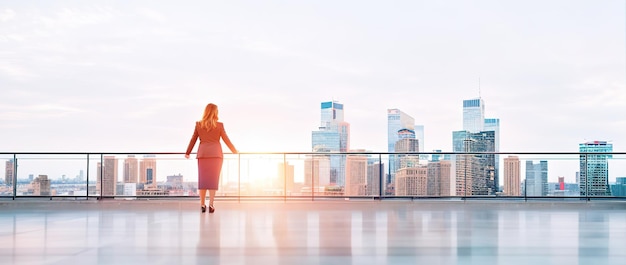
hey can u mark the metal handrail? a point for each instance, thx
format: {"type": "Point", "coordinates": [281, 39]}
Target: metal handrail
{"type": "Point", "coordinates": [380, 194]}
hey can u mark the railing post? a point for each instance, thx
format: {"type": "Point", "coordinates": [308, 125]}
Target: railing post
{"type": "Point", "coordinates": [313, 178]}
{"type": "Point", "coordinates": [14, 176]}
{"type": "Point", "coordinates": [380, 177]}
{"type": "Point", "coordinates": [87, 183]}
{"type": "Point", "coordinates": [586, 178]}
{"type": "Point", "coordinates": [101, 175]}
{"type": "Point", "coordinates": [285, 176]}
{"type": "Point", "coordinates": [238, 177]}
{"type": "Point", "coordinates": [525, 187]}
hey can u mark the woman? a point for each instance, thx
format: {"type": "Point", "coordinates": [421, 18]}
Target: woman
{"type": "Point", "coordinates": [209, 154]}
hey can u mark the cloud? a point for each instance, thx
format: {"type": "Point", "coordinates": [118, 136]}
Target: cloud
{"type": "Point", "coordinates": [6, 15]}
{"type": "Point", "coordinates": [78, 17]}
{"type": "Point", "coordinates": [35, 112]}
{"type": "Point", "coordinates": [16, 71]}
{"type": "Point", "coordinates": [151, 14]}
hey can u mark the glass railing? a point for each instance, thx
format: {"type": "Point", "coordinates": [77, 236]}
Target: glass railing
{"type": "Point", "coordinates": [306, 175]}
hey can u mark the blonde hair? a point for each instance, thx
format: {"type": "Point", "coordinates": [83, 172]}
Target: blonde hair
{"type": "Point", "coordinates": [209, 118]}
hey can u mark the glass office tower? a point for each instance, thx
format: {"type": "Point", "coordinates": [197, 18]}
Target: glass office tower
{"type": "Point", "coordinates": [594, 168]}
{"type": "Point", "coordinates": [333, 135]}
{"type": "Point", "coordinates": [397, 121]}
{"type": "Point", "coordinates": [473, 115]}
{"type": "Point", "coordinates": [536, 182]}
{"type": "Point", "coordinates": [475, 173]}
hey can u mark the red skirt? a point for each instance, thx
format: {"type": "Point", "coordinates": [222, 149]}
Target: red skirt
{"type": "Point", "coordinates": [209, 170]}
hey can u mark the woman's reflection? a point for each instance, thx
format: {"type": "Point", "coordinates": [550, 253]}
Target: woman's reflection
{"type": "Point", "coordinates": [208, 249]}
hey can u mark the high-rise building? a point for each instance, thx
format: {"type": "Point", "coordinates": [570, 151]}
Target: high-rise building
{"type": "Point", "coordinates": [412, 181]}
{"type": "Point", "coordinates": [107, 176]}
{"type": "Point", "coordinates": [464, 165]}
{"type": "Point", "coordinates": [131, 169]}
{"type": "Point", "coordinates": [473, 115]}
{"type": "Point", "coordinates": [374, 172]}
{"type": "Point", "coordinates": [438, 180]}
{"type": "Point", "coordinates": [333, 135]}
{"type": "Point", "coordinates": [512, 176]}
{"type": "Point", "coordinates": [285, 177]}
{"type": "Point", "coordinates": [406, 145]}
{"type": "Point", "coordinates": [536, 183]}
{"type": "Point", "coordinates": [594, 168]}
{"type": "Point", "coordinates": [41, 186]}
{"type": "Point", "coordinates": [619, 188]}
{"type": "Point", "coordinates": [493, 124]}
{"type": "Point", "coordinates": [419, 135]}
{"type": "Point", "coordinates": [9, 171]}
{"type": "Point", "coordinates": [474, 121]}
{"type": "Point", "coordinates": [397, 121]}
{"type": "Point", "coordinates": [147, 171]}
{"type": "Point", "coordinates": [476, 173]}
{"type": "Point", "coordinates": [317, 171]}
{"type": "Point", "coordinates": [356, 175]}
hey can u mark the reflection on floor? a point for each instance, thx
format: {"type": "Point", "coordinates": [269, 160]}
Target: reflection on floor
{"type": "Point", "coordinates": [320, 232]}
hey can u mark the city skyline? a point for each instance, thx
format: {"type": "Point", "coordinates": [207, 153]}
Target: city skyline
{"type": "Point", "coordinates": [334, 136]}
{"type": "Point", "coordinates": [133, 77]}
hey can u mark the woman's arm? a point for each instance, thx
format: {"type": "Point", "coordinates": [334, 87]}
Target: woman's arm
{"type": "Point", "coordinates": [192, 142]}
{"type": "Point", "coordinates": [227, 141]}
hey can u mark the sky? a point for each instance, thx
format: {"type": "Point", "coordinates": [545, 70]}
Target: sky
{"type": "Point", "coordinates": [133, 76]}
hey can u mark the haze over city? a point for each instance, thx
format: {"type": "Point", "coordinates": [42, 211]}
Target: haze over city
{"type": "Point", "coordinates": [118, 76]}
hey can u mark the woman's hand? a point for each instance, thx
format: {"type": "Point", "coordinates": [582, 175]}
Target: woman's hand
{"type": "Point", "coordinates": [187, 156]}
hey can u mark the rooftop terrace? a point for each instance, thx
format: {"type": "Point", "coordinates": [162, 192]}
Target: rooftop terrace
{"type": "Point", "coordinates": [166, 231]}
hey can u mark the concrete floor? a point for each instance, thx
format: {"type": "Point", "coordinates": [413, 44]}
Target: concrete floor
{"type": "Point", "coordinates": [320, 232]}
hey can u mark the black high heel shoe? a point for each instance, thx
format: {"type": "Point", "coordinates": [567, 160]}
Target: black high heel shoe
{"type": "Point", "coordinates": [203, 207]}
{"type": "Point", "coordinates": [211, 209]}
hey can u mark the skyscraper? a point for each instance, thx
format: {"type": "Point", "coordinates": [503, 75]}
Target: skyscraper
{"type": "Point", "coordinates": [107, 176]}
{"type": "Point", "coordinates": [396, 122]}
{"type": "Point", "coordinates": [406, 145]}
{"type": "Point", "coordinates": [476, 173]}
{"type": "Point", "coordinates": [412, 181]}
{"type": "Point", "coordinates": [619, 188]}
{"type": "Point", "coordinates": [374, 173]}
{"type": "Point", "coordinates": [9, 171]}
{"type": "Point", "coordinates": [512, 176]}
{"type": "Point", "coordinates": [438, 180]}
{"type": "Point", "coordinates": [536, 183]}
{"type": "Point", "coordinates": [332, 120]}
{"type": "Point", "coordinates": [419, 135]}
{"type": "Point", "coordinates": [356, 175]}
{"type": "Point", "coordinates": [317, 171]}
{"type": "Point", "coordinates": [594, 168]}
{"type": "Point", "coordinates": [333, 135]}
{"type": "Point", "coordinates": [473, 115]}
{"type": "Point", "coordinates": [131, 169]}
{"type": "Point", "coordinates": [483, 135]}
{"type": "Point", "coordinates": [147, 173]}
{"type": "Point", "coordinates": [493, 124]}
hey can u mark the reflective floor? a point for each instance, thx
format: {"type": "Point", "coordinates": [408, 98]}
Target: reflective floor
{"type": "Point", "coordinates": [320, 232]}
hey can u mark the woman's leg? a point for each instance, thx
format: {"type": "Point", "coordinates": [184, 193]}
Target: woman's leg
{"type": "Point", "coordinates": [202, 197]}
{"type": "Point", "coordinates": [211, 196]}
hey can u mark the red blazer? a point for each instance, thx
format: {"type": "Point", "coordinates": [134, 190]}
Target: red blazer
{"type": "Point", "coordinates": [210, 145]}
